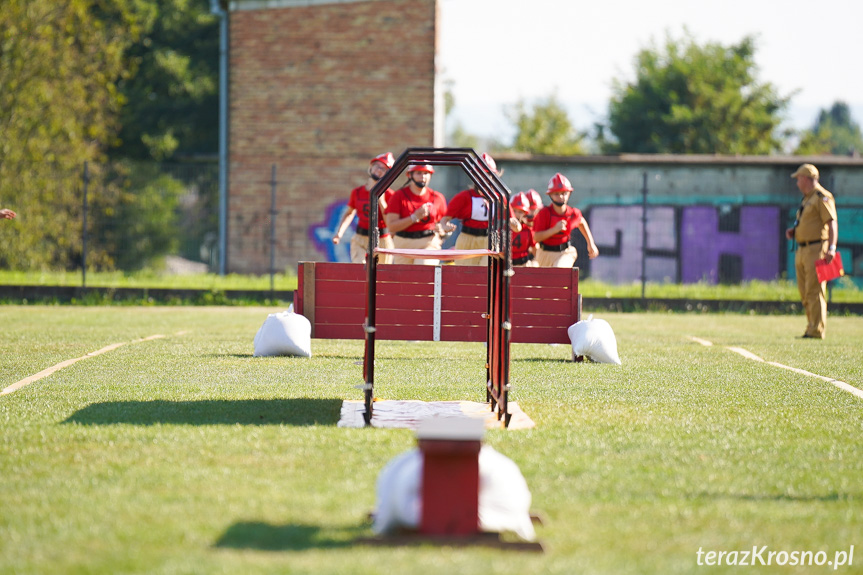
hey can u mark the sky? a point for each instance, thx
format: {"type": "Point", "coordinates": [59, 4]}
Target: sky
{"type": "Point", "coordinates": [496, 52]}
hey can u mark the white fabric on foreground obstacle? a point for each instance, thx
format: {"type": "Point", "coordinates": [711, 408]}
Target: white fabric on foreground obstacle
{"type": "Point", "coordinates": [594, 338]}
{"type": "Point", "coordinates": [504, 499]}
{"type": "Point", "coordinates": [409, 413]}
{"type": "Point", "coordinates": [284, 333]}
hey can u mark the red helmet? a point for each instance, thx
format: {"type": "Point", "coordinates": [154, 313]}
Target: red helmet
{"type": "Point", "coordinates": [534, 198]}
{"type": "Point", "coordinates": [421, 168]}
{"type": "Point", "coordinates": [386, 159]}
{"type": "Point", "coordinates": [520, 201]}
{"type": "Point", "coordinates": [558, 183]}
{"type": "Point", "coordinates": [490, 163]}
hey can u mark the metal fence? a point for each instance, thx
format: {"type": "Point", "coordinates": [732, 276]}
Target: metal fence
{"type": "Point", "coordinates": [117, 217]}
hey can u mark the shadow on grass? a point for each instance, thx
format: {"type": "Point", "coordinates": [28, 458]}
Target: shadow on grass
{"type": "Point", "coordinates": [542, 360]}
{"type": "Point", "coordinates": [282, 357]}
{"type": "Point", "coordinates": [292, 537]}
{"type": "Point", "coordinates": [772, 497]}
{"type": "Point", "coordinates": [300, 411]}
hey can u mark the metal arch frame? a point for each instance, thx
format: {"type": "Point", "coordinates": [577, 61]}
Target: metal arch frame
{"type": "Point", "coordinates": [498, 315]}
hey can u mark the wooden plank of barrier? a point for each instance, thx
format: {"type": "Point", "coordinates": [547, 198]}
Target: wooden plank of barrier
{"type": "Point", "coordinates": [559, 307]}
{"type": "Point", "coordinates": [405, 273]}
{"type": "Point", "coordinates": [309, 294]}
{"type": "Point", "coordinates": [542, 302]}
{"type": "Point", "coordinates": [543, 277]}
{"type": "Point", "coordinates": [576, 297]}
{"type": "Point", "coordinates": [340, 271]}
{"type": "Point", "coordinates": [349, 300]}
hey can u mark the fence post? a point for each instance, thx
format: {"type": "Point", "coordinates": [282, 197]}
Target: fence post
{"type": "Point", "coordinates": [86, 180]}
{"type": "Point", "coordinates": [216, 9]}
{"type": "Point", "coordinates": [832, 188]}
{"type": "Point", "coordinates": [273, 214]}
{"type": "Point", "coordinates": [643, 234]}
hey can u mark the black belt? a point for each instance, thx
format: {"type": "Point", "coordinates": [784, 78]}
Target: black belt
{"type": "Point", "coordinates": [415, 235]}
{"type": "Point", "coordinates": [365, 231]}
{"type": "Point", "coordinates": [522, 261]}
{"type": "Point", "coordinates": [474, 231]}
{"type": "Point", "coordinates": [560, 248]}
{"type": "Point", "coordinates": [804, 244]}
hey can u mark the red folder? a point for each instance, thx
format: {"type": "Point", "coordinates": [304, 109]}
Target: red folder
{"type": "Point", "coordinates": [833, 270]}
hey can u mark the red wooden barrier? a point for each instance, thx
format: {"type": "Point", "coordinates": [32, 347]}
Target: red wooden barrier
{"type": "Point", "coordinates": [545, 302]}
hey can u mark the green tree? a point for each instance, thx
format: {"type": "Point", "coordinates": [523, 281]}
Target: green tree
{"type": "Point", "coordinates": [696, 99]}
{"type": "Point", "coordinates": [544, 129]}
{"type": "Point", "coordinates": [59, 66]}
{"type": "Point", "coordinates": [135, 218]}
{"type": "Point", "coordinates": [834, 132]}
{"type": "Point", "coordinates": [171, 94]}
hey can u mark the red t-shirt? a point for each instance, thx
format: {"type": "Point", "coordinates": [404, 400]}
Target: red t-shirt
{"type": "Point", "coordinates": [522, 242]}
{"type": "Point", "coordinates": [404, 202]}
{"type": "Point", "coordinates": [359, 201]}
{"type": "Point", "coordinates": [547, 218]}
{"type": "Point", "coordinates": [471, 208]}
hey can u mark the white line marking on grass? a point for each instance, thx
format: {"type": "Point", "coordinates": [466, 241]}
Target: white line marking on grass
{"type": "Point", "coordinates": [703, 342]}
{"type": "Point", "coordinates": [840, 384]}
{"type": "Point", "coordinates": [46, 372]}
{"type": "Point", "coordinates": [745, 353]}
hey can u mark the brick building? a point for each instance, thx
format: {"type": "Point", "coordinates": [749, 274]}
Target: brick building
{"type": "Point", "coordinates": [316, 89]}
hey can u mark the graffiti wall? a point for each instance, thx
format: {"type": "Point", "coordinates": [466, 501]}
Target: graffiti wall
{"type": "Point", "coordinates": [321, 234]}
{"type": "Point", "coordinates": [713, 244]}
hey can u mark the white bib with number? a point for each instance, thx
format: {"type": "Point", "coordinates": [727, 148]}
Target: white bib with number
{"type": "Point", "coordinates": [479, 209]}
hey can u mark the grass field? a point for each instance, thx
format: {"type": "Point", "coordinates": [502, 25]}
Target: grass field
{"type": "Point", "coordinates": [185, 454]}
{"type": "Point", "coordinates": [843, 290]}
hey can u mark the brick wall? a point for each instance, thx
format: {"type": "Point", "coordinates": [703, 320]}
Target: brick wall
{"type": "Point", "coordinates": [317, 90]}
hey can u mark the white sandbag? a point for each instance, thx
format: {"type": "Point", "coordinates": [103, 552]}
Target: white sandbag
{"type": "Point", "coordinates": [594, 338]}
{"type": "Point", "coordinates": [284, 333]}
{"type": "Point", "coordinates": [398, 493]}
{"type": "Point", "coordinates": [504, 499]}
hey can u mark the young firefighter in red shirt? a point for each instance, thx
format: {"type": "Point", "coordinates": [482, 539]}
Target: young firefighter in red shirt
{"type": "Point", "coordinates": [523, 244]}
{"type": "Point", "coordinates": [413, 214]}
{"type": "Point", "coordinates": [535, 201]}
{"type": "Point", "coordinates": [555, 223]}
{"type": "Point", "coordinates": [359, 204]}
{"type": "Point", "coordinates": [472, 209]}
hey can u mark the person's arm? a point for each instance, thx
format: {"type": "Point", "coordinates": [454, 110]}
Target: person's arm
{"type": "Point", "coordinates": [541, 236]}
{"type": "Point", "coordinates": [396, 223]}
{"type": "Point", "coordinates": [592, 250]}
{"type": "Point", "coordinates": [444, 228]}
{"type": "Point", "coordinates": [832, 237]}
{"type": "Point", "coordinates": [445, 220]}
{"type": "Point", "coordinates": [514, 225]}
{"type": "Point", "coordinates": [343, 225]}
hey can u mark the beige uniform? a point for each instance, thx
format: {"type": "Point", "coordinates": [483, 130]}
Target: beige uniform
{"type": "Point", "coordinates": [551, 259]}
{"type": "Point", "coordinates": [816, 212]}
{"type": "Point", "coordinates": [360, 245]}
{"type": "Point", "coordinates": [469, 242]}
{"type": "Point", "coordinates": [432, 242]}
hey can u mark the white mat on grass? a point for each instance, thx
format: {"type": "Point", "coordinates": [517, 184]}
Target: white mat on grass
{"type": "Point", "coordinates": [408, 413]}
